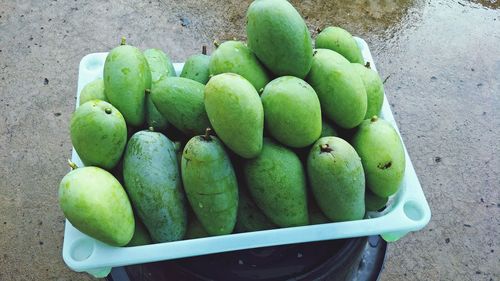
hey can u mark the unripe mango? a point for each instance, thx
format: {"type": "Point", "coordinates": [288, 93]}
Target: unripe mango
{"type": "Point", "coordinates": [196, 67]}
{"type": "Point", "coordinates": [276, 180]}
{"type": "Point", "coordinates": [340, 89]}
{"type": "Point", "coordinates": [96, 204]}
{"type": "Point", "coordinates": [210, 184]}
{"type": "Point", "coordinates": [340, 41]}
{"type": "Point", "coordinates": [337, 180]}
{"type": "Point", "coordinates": [180, 101]}
{"type": "Point", "coordinates": [93, 91]}
{"type": "Point", "coordinates": [126, 77]}
{"type": "Point", "coordinates": [382, 153]}
{"type": "Point", "coordinates": [292, 113]}
{"type": "Point", "coordinates": [374, 89]}
{"type": "Point", "coordinates": [279, 37]}
{"type": "Point", "coordinates": [153, 183]}
{"type": "Point", "coordinates": [235, 111]}
{"type": "Point", "coordinates": [98, 134]}
{"type": "Point", "coordinates": [236, 57]}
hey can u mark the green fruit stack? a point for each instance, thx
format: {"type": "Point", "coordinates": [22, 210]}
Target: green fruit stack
{"type": "Point", "coordinates": [269, 133]}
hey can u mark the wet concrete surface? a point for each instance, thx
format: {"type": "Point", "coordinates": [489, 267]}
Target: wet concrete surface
{"type": "Point", "coordinates": [443, 63]}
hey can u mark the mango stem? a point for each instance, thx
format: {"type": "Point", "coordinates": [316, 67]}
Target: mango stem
{"type": "Point", "coordinates": [207, 134]}
{"type": "Point", "coordinates": [325, 148]}
{"type": "Point", "coordinates": [72, 165]}
{"type": "Point", "coordinates": [374, 118]}
{"type": "Point", "coordinates": [216, 43]}
{"type": "Point", "coordinates": [367, 64]}
{"type": "Point", "coordinates": [147, 91]}
{"type": "Point", "coordinates": [123, 41]}
{"type": "Point", "coordinates": [151, 129]}
{"type": "Point", "coordinates": [204, 49]}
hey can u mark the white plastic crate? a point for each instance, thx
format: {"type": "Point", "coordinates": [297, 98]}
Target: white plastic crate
{"type": "Point", "coordinates": [408, 211]}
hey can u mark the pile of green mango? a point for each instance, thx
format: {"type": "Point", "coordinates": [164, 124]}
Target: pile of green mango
{"type": "Point", "coordinates": [269, 133]}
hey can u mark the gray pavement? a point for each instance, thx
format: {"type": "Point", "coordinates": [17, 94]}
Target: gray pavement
{"type": "Point", "coordinates": [443, 63]}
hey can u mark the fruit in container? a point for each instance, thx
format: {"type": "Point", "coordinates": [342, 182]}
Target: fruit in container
{"type": "Point", "coordinates": [341, 41]}
{"type": "Point", "coordinates": [292, 113]}
{"type": "Point", "coordinates": [210, 183]}
{"type": "Point", "coordinates": [279, 37]}
{"type": "Point", "coordinates": [235, 111]}
{"type": "Point", "coordinates": [180, 101]}
{"type": "Point", "coordinates": [153, 183]}
{"type": "Point", "coordinates": [276, 181]}
{"type": "Point", "coordinates": [382, 154]}
{"type": "Point", "coordinates": [98, 134]}
{"type": "Point", "coordinates": [337, 180]}
{"type": "Point", "coordinates": [126, 77]}
{"type": "Point", "coordinates": [340, 89]}
{"type": "Point", "coordinates": [236, 57]}
{"type": "Point", "coordinates": [95, 203]}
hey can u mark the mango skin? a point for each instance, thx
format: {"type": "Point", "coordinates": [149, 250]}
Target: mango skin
{"type": "Point", "coordinates": [292, 112]}
{"type": "Point", "coordinates": [382, 153]}
{"type": "Point", "coordinates": [235, 111]}
{"type": "Point", "coordinates": [277, 182]}
{"type": "Point", "coordinates": [195, 229]}
{"type": "Point", "coordinates": [250, 217]}
{"type": "Point", "coordinates": [340, 41]}
{"type": "Point", "coordinates": [126, 77]}
{"type": "Point", "coordinates": [279, 37]}
{"type": "Point", "coordinates": [153, 183]}
{"type": "Point", "coordinates": [316, 216]}
{"type": "Point", "coordinates": [236, 57]}
{"type": "Point", "coordinates": [93, 91]}
{"type": "Point", "coordinates": [180, 101]}
{"type": "Point", "coordinates": [141, 235]}
{"type": "Point", "coordinates": [99, 138]}
{"type": "Point", "coordinates": [161, 67]}
{"type": "Point", "coordinates": [96, 204]}
{"type": "Point", "coordinates": [340, 89]}
{"type": "Point", "coordinates": [210, 184]}
{"type": "Point", "coordinates": [337, 179]}
{"type": "Point", "coordinates": [374, 89]}
{"type": "Point", "coordinates": [196, 68]}
{"type": "Point", "coordinates": [374, 202]}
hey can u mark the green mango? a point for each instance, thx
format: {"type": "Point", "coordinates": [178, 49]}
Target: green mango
{"type": "Point", "coordinates": [195, 229]}
{"type": "Point", "coordinates": [374, 202]}
{"type": "Point", "coordinates": [210, 184]}
{"type": "Point", "coordinates": [250, 217]}
{"type": "Point", "coordinates": [126, 78]}
{"type": "Point", "coordinates": [93, 91]}
{"type": "Point", "coordinates": [98, 134]}
{"type": "Point", "coordinates": [141, 235]}
{"type": "Point", "coordinates": [196, 67]}
{"type": "Point", "coordinates": [339, 88]}
{"type": "Point", "coordinates": [153, 183]}
{"type": "Point", "coordinates": [292, 113]}
{"type": "Point", "coordinates": [236, 113]}
{"type": "Point", "coordinates": [327, 130]}
{"type": "Point", "coordinates": [374, 89]}
{"type": "Point", "coordinates": [277, 182]}
{"type": "Point", "coordinates": [97, 205]}
{"type": "Point", "coordinates": [161, 67]}
{"type": "Point", "coordinates": [340, 41]}
{"type": "Point", "coordinates": [279, 37]}
{"type": "Point", "coordinates": [236, 57]}
{"type": "Point", "coordinates": [382, 153]}
{"type": "Point", "coordinates": [180, 100]}
{"type": "Point", "coordinates": [160, 64]}
{"type": "Point", "coordinates": [337, 180]}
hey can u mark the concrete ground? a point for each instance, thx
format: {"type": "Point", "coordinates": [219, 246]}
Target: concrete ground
{"type": "Point", "coordinates": [443, 63]}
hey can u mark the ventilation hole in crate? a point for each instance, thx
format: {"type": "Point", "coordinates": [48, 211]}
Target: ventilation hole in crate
{"type": "Point", "coordinates": [413, 211]}
{"type": "Point", "coordinates": [93, 64]}
{"type": "Point", "coordinates": [82, 249]}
